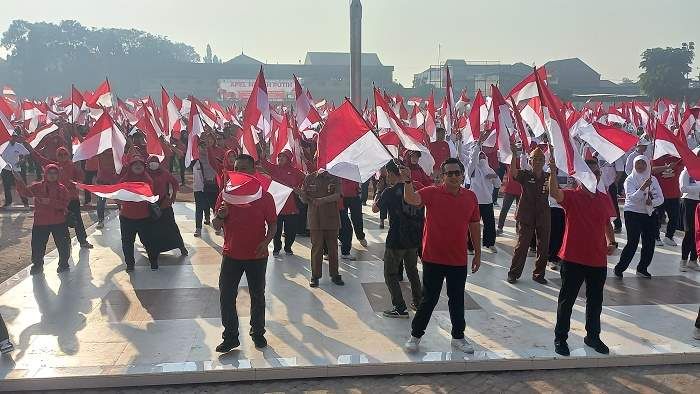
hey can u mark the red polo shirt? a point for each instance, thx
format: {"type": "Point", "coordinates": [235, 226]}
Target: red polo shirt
{"type": "Point", "coordinates": [244, 227]}
{"type": "Point", "coordinates": [584, 235]}
{"type": "Point", "coordinates": [349, 188]}
{"type": "Point", "coordinates": [447, 219]}
{"type": "Point", "coordinates": [670, 186]}
{"type": "Point", "coordinates": [440, 150]}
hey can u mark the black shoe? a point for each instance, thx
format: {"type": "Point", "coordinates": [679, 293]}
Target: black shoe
{"type": "Point", "coordinates": [129, 268]}
{"type": "Point", "coordinates": [644, 274]}
{"type": "Point", "coordinates": [618, 230]}
{"type": "Point", "coordinates": [184, 251]}
{"type": "Point", "coordinates": [396, 313]}
{"type": "Point", "coordinates": [313, 282]}
{"type": "Point", "coordinates": [540, 279]}
{"type": "Point", "coordinates": [338, 281]}
{"type": "Point", "coordinates": [562, 348]}
{"type": "Point", "coordinates": [36, 270]}
{"type": "Point", "coordinates": [227, 345]}
{"type": "Point", "coordinates": [86, 245]}
{"type": "Point", "coordinates": [289, 252]}
{"type": "Point", "coordinates": [511, 279]}
{"type": "Point", "coordinates": [618, 273]}
{"type": "Point", "coordinates": [259, 341]}
{"type": "Point", "coordinates": [62, 268]}
{"type": "Point", "coordinates": [597, 345]}
{"type": "Point", "coordinates": [207, 222]}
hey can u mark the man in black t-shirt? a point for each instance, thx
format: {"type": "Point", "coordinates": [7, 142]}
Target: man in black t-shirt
{"type": "Point", "coordinates": [402, 242]}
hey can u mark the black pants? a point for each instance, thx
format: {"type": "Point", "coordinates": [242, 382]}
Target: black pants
{"type": "Point", "coordinates": [204, 204]}
{"type": "Point", "coordinates": [688, 250]}
{"type": "Point", "coordinates": [74, 210]}
{"type": "Point", "coordinates": [556, 233]}
{"type": "Point", "coordinates": [8, 182]}
{"type": "Point", "coordinates": [230, 277]}
{"type": "Point", "coordinates": [88, 179]}
{"type": "Point", "coordinates": [501, 172]}
{"type": "Point", "coordinates": [354, 205]}
{"type": "Point", "coordinates": [364, 194]}
{"type": "Point", "coordinates": [671, 207]}
{"type": "Point", "coordinates": [612, 191]}
{"type": "Point", "coordinates": [489, 232]}
{"type": "Point", "coordinates": [394, 260]}
{"type": "Point", "coordinates": [302, 224]}
{"type": "Point", "coordinates": [433, 276]}
{"type": "Point", "coordinates": [639, 225]}
{"type": "Point", "coordinates": [572, 277]}
{"type": "Point", "coordinates": [697, 321]}
{"type": "Point", "coordinates": [4, 335]}
{"type": "Point", "coordinates": [40, 236]}
{"type": "Point", "coordinates": [129, 229]}
{"type": "Point", "coordinates": [505, 207]}
{"type": "Point", "coordinates": [290, 223]}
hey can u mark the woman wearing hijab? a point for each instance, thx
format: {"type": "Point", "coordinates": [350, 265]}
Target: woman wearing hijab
{"type": "Point", "coordinates": [689, 202]}
{"type": "Point", "coordinates": [205, 188]}
{"type": "Point", "coordinates": [483, 181]}
{"type": "Point", "coordinates": [68, 174]}
{"type": "Point", "coordinates": [50, 208]}
{"type": "Point", "coordinates": [166, 187]}
{"type": "Point", "coordinates": [135, 218]}
{"type": "Point", "coordinates": [642, 195]}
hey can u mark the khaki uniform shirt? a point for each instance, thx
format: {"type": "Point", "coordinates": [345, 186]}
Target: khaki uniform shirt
{"type": "Point", "coordinates": [533, 206]}
{"type": "Point", "coordinates": [324, 216]}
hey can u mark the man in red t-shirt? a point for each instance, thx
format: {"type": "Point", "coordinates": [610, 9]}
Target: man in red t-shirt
{"type": "Point", "coordinates": [248, 230]}
{"type": "Point", "coordinates": [451, 216]}
{"type": "Point", "coordinates": [587, 218]}
{"type": "Point", "coordinates": [440, 150]}
{"type": "Point", "coordinates": [667, 170]}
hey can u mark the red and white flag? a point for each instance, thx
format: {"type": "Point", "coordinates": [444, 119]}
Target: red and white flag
{"type": "Point", "coordinates": [35, 138]}
{"type": "Point", "coordinates": [461, 104]}
{"type": "Point", "coordinates": [75, 105]}
{"type": "Point", "coordinates": [149, 127]}
{"type": "Point", "coordinates": [429, 125]}
{"type": "Point", "coordinates": [243, 189]}
{"type": "Point", "coordinates": [610, 142]}
{"type": "Point", "coordinates": [665, 143]}
{"type": "Point", "coordinates": [101, 97]}
{"type": "Point", "coordinates": [171, 116]}
{"type": "Point", "coordinates": [306, 113]}
{"type": "Point", "coordinates": [348, 148]}
{"type": "Point", "coordinates": [411, 139]}
{"type": "Point", "coordinates": [103, 135]}
{"type": "Point", "coordinates": [527, 88]}
{"type": "Point", "coordinates": [124, 191]}
{"type": "Point", "coordinates": [477, 117]}
{"type": "Point", "coordinates": [8, 91]}
{"type": "Point", "coordinates": [566, 156]}
{"type": "Point", "coordinates": [503, 122]}
{"type": "Point", "coordinates": [257, 109]}
{"type": "Point", "coordinates": [196, 129]}
{"type": "Point", "coordinates": [533, 115]}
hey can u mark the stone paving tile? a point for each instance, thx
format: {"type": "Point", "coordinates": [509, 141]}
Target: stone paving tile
{"type": "Point", "coordinates": [655, 379]}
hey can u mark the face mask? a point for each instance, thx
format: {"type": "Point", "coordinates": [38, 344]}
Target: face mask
{"type": "Point", "coordinates": [153, 166]}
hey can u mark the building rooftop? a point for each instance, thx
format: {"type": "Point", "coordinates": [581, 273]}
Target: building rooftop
{"type": "Point", "coordinates": [243, 59]}
{"type": "Point", "coordinates": [339, 59]}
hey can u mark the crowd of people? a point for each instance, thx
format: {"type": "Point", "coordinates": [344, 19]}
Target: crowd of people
{"type": "Point", "coordinates": [437, 218]}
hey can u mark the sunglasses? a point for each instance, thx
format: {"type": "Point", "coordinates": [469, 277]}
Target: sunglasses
{"type": "Point", "coordinates": [452, 173]}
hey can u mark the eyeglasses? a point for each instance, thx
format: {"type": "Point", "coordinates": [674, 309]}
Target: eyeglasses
{"type": "Point", "coordinates": [452, 173]}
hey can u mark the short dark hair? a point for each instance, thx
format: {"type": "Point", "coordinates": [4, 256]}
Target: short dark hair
{"type": "Point", "coordinates": [248, 158]}
{"type": "Point", "coordinates": [393, 166]}
{"type": "Point", "coordinates": [452, 160]}
{"type": "Point", "coordinates": [441, 129]}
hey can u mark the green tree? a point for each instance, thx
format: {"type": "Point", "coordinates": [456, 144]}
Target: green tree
{"type": "Point", "coordinates": [208, 56]}
{"type": "Point", "coordinates": [666, 71]}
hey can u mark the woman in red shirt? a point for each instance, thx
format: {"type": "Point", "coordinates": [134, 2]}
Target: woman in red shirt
{"type": "Point", "coordinates": [135, 218]}
{"type": "Point", "coordinates": [50, 208]}
{"type": "Point", "coordinates": [166, 187]}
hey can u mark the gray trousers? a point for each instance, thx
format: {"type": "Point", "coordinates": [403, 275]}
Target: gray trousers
{"type": "Point", "coordinates": [392, 275]}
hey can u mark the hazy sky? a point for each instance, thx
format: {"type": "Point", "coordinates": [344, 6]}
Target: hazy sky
{"type": "Point", "coordinates": [609, 35]}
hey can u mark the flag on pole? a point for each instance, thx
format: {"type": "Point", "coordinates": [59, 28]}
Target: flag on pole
{"type": "Point", "coordinates": [124, 191]}
{"type": "Point", "coordinates": [103, 135]}
{"type": "Point", "coordinates": [610, 142]}
{"type": "Point", "coordinates": [35, 138]}
{"type": "Point", "coordinates": [503, 124]}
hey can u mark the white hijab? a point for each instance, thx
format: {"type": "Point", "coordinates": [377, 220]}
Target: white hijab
{"type": "Point", "coordinates": [637, 178]}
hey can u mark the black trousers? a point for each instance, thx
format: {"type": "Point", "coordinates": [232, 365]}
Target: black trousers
{"type": "Point", "coordinates": [348, 224]}
{"type": "Point", "coordinates": [688, 249]}
{"type": "Point", "coordinates": [572, 277]}
{"type": "Point", "coordinates": [88, 179]}
{"type": "Point", "coordinates": [671, 207]}
{"type": "Point", "coordinates": [40, 236]}
{"type": "Point", "coordinates": [612, 191]}
{"type": "Point", "coordinates": [505, 207]}
{"type": "Point", "coordinates": [290, 224]}
{"type": "Point", "coordinates": [501, 172]}
{"type": "Point", "coordinates": [639, 225]}
{"type": "Point", "coordinates": [433, 276]}
{"type": "Point", "coordinates": [394, 261]}
{"type": "Point", "coordinates": [4, 335]}
{"type": "Point", "coordinates": [697, 321]}
{"type": "Point", "coordinates": [204, 203]}
{"type": "Point", "coordinates": [74, 210]}
{"type": "Point", "coordinates": [303, 219]}
{"type": "Point", "coordinates": [8, 182]}
{"type": "Point", "coordinates": [129, 229]}
{"type": "Point", "coordinates": [489, 232]}
{"type": "Point", "coordinates": [229, 278]}
{"type": "Point", "coordinates": [556, 232]}
{"type": "Point", "coordinates": [364, 193]}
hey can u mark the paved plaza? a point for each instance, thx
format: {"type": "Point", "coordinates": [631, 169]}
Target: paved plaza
{"type": "Point", "coordinates": [99, 327]}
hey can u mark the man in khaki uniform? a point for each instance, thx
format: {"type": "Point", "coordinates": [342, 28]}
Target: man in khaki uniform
{"type": "Point", "coordinates": [321, 191]}
{"type": "Point", "coordinates": [532, 217]}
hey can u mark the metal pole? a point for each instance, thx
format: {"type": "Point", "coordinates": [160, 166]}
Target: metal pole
{"type": "Point", "coordinates": [356, 52]}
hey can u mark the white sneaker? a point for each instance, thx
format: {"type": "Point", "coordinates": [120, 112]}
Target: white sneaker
{"type": "Point", "coordinates": [696, 335]}
{"type": "Point", "coordinates": [463, 345]}
{"type": "Point", "coordinates": [693, 265]}
{"type": "Point", "coordinates": [659, 242]}
{"type": "Point", "coordinates": [412, 344]}
{"type": "Point", "coordinates": [492, 249]}
{"type": "Point", "coordinates": [363, 242]}
{"type": "Point", "coordinates": [684, 265]}
{"type": "Point", "coordinates": [348, 257]}
{"type": "Point", "coordinates": [670, 241]}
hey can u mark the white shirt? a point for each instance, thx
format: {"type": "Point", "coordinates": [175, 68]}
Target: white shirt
{"type": "Point", "coordinates": [483, 187]}
{"type": "Point", "coordinates": [12, 153]}
{"type": "Point", "coordinates": [636, 198]}
{"type": "Point", "coordinates": [689, 188]}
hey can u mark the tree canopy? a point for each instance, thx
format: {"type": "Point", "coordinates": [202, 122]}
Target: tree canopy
{"type": "Point", "coordinates": [44, 54]}
{"type": "Point", "coordinates": [666, 71]}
